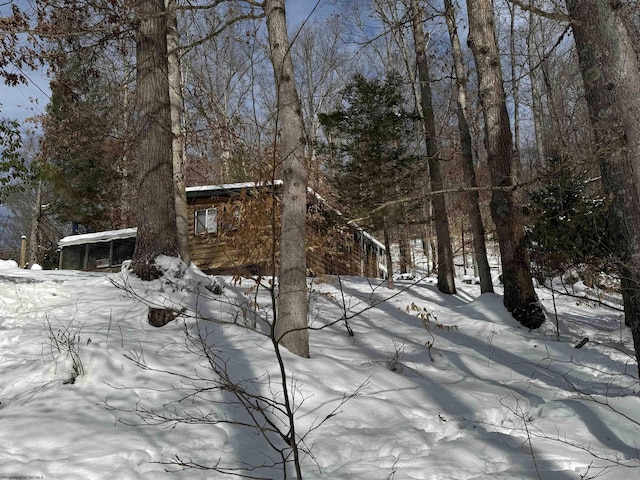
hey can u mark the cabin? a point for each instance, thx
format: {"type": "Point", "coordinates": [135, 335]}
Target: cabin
{"type": "Point", "coordinates": [232, 228]}
{"type": "Point", "coordinates": [97, 251]}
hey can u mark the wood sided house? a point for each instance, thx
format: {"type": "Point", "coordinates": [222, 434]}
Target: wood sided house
{"type": "Point", "coordinates": [231, 232]}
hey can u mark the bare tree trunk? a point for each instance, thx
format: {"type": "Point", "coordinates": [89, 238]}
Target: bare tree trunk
{"type": "Point", "coordinates": [536, 97]}
{"type": "Point", "coordinates": [463, 244]}
{"type": "Point", "coordinates": [434, 255]}
{"type": "Point", "coordinates": [129, 171]}
{"type": "Point", "coordinates": [611, 78]}
{"type": "Point", "coordinates": [468, 170]}
{"type": "Point", "coordinates": [515, 83]}
{"type": "Point", "coordinates": [291, 323]}
{"type": "Point", "coordinates": [519, 295]}
{"type": "Point", "coordinates": [446, 276]}
{"type": "Point", "coordinates": [387, 246]}
{"type": "Point", "coordinates": [406, 265]}
{"type": "Point", "coordinates": [34, 235]}
{"type": "Point", "coordinates": [177, 132]}
{"type": "Point", "coordinates": [156, 209]}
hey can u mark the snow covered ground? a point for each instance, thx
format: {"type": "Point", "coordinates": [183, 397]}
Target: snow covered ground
{"type": "Point", "coordinates": [428, 386]}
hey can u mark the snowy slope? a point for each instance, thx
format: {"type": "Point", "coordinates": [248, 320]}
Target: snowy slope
{"type": "Point", "coordinates": [427, 387]}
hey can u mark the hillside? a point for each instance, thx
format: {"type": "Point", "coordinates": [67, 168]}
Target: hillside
{"type": "Point", "coordinates": [426, 386]}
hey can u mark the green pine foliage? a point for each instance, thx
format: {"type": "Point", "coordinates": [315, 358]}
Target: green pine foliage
{"type": "Point", "coordinates": [80, 151]}
{"type": "Point", "coordinates": [568, 226]}
{"type": "Point", "coordinates": [369, 147]}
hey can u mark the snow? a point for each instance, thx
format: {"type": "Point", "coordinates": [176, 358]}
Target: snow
{"type": "Point", "coordinates": [230, 187]}
{"type": "Point", "coordinates": [97, 237]}
{"type": "Point", "coordinates": [428, 387]}
{"type": "Point", "coordinates": [8, 265]}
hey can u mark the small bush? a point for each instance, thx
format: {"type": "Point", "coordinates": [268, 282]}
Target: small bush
{"type": "Point", "coordinates": [65, 341]}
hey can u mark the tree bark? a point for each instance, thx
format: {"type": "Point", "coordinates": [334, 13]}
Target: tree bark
{"type": "Point", "coordinates": [446, 276]}
{"type": "Point", "coordinates": [536, 97]}
{"type": "Point", "coordinates": [515, 84]}
{"type": "Point", "coordinates": [177, 132]}
{"type": "Point", "coordinates": [466, 145]}
{"type": "Point", "coordinates": [291, 323]}
{"type": "Point", "coordinates": [519, 294]}
{"type": "Point", "coordinates": [406, 265]}
{"type": "Point", "coordinates": [156, 209]}
{"type": "Point", "coordinates": [36, 222]}
{"type": "Point", "coordinates": [611, 76]}
{"type": "Point", "coordinates": [389, 260]}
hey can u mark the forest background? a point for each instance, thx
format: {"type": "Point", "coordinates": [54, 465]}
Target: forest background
{"type": "Point", "coordinates": [513, 121]}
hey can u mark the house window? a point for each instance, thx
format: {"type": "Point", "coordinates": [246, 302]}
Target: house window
{"type": "Point", "coordinates": [206, 221]}
{"type": "Point", "coordinates": [73, 257]}
{"type": "Point", "coordinates": [98, 256]}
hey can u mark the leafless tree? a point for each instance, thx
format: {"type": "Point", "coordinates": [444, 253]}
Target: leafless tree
{"type": "Point", "coordinates": [611, 76]}
{"type": "Point", "coordinates": [322, 65]}
{"type": "Point", "coordinates": [291, 323]}
{"type": "Point", "coordinates": [156, 211]}
{"type": "Point", "coordinates": [466, 143]}
{"type": "Point", "coordinates": [178, 146]}
{"type": "Point", "coordinates": [446, 278]}
{"type": "Point", "coordinates": [519, 295]}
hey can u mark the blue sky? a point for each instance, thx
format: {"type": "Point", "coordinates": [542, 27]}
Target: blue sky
{"type": "Point", "coordinates": [17, 101]}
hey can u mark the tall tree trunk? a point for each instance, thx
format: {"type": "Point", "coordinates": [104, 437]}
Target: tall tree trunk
{"type": "Point", "coordinates": [291, 324]}
{"type": "Point", "coordinates": [406, 265]}
{"type": "Point", "coordinates": [519, 295]}
{"type": "Point", "coordinates": [128, 184]}
{"type": "Point", "coordinates": [515, 84]}
{"type": "Point", "coordinates": [536, 97]}
{"type": "Point", "coordinates": [177, 132]}
{"type": "Point", "coordinates": [468, 170]}
{"type": "Point", "coordinates": [389, 260]}
{"type": "Point", "coordinates": [36, 222]}
{"type": "Point", "coordinates": [446, 276]}
{"type": "Point", "coordinates": [156, 209]}
{"type": "Point", "coordinates": [611, 78]}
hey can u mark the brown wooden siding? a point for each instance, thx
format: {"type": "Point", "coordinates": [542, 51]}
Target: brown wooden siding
{"type": "Point", "coordinates": [242, 244]}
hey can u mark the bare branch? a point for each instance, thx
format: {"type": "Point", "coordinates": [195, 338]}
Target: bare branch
{"type": "Point", "coordinates": [423, 195]}
{"type": "Point", "coordinates": [556, 15]}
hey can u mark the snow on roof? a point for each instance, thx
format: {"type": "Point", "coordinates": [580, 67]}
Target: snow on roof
{"type": "Point", "coordinates": [97, 237]}
{"type": "Point", "coordinates": [372, 239]}
{"type": "Point", "coordinates": [195, 190]}
{"type": "Point", "coordinates": [203, 189]}
{"type": "Point", "coordinates": [362, 231]}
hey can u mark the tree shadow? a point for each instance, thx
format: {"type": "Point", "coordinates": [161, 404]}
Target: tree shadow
{"type": "Point", "coordinates": [532, 381]}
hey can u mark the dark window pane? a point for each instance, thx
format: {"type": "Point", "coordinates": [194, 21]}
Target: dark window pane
{"type": "Point", "coordinates": [123, 250]}
{"type": "Point", "coordinates": [98, 255]}
{"type": "Point", "coordinates": [206, 221]}
{"type": "Point", "coordinates": [73, 257]}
